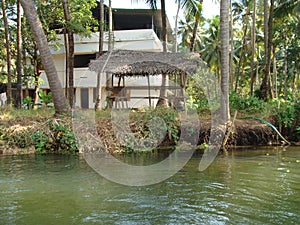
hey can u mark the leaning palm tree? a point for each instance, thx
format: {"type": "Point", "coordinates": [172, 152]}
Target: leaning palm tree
{"type": "Point", "coordinates": [59, 99]}
{"type": "Point", "coordinates": [195, 8]}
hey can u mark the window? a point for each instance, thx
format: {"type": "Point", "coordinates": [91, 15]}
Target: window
{"type": "Point", "coordinates": [81, 61]}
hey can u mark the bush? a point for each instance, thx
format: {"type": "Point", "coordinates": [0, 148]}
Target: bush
{"type": "Point", "coordinates": [249, 104]}
{"type": "Point", "coordinates": [57, 138]}
{"type": "Point", "coordinates": [19, 136]}
{"type": "Point", "coordinates": [148, 126]}
{"type": "Point", "coordinates": [37, 128]}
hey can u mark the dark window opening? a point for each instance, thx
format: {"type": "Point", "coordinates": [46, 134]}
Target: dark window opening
{"type": "Point", "coordinates": [81, 61]}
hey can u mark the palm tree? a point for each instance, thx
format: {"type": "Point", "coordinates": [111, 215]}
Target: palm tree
{"type": "Point", "coordinates": [153, 5]}
{"type": "Point", "coordinates": [242, 10]}
{"type": "Point", "coordinates": [186, 27]}
{"type": "Point", "coordinates": [253, 39]}
{"type": "Point", "coordinates": [196, 9]}
{"type": "Point", "coordinates": [101, 27]}
{"type": "Point", "coordinates": [224, 36]}
{"type": "Point", "coordinates": [110, 22]}
{"type": "Point", "coordinates": [211, 45]}
{"type": "Point", "coordinates": [101, 42]}
{"type": "Point", "coordinates": [265, 88]}
{"type": "Point", "coordinates": [8, 53]}
{"type": "Point", "coordinates": [163, 92]}
{"type": "Point", "coordinates": [176, 24]}
{"type": "Point", "coordinates": [18, 100]}
{"type": "Point", "coordinates": [70, 53]}
{"type": "Point", "coordinates": [59, 99]}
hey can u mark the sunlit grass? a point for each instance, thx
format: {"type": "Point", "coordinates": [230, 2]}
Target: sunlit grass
{"type": "Point", "coordinates": [15, 116]}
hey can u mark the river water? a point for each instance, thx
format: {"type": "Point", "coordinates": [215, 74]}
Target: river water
{"type": "Point", "coordinates": [243, 187]}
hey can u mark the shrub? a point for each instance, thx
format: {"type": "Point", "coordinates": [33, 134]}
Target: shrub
{"type": "Point", "coordinates": [249, 104]}
{"type": "Point", "coordinates": [56, 138]}
{"type": "Point", "coordinates": [284, 112]}
{"type": "Point", "coordinates": [19, 136]}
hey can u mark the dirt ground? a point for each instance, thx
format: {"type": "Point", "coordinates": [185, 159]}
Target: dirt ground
{"type": "Point", "coordinates": [245, 132]}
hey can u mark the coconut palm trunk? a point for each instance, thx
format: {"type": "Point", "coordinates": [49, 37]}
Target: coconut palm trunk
{"type": "Point", "coordinates": [163, 91]}
{"type": "Point", "coordinates": [59, 99]}
{"type": "Point", "coordinates": [18, 101]}
{"type": "Point", "coordinates": [8, 53]}
{"type": "Point", "coordinates": [196, 25]}
{"type": "Point", "coordinates": [224, 35]}
{"type": "Point", "coordinates": [265, 88]}
{"type": "Point", "coordinates": [176, 25]}
{"type": "Point", "coordinates": [253, 39]}
{"type": "Point", "coordinates": [101, 42]}
{"type": "Point", "coordinates": [70, 59]}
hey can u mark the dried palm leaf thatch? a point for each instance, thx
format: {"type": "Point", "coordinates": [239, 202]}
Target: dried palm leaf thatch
{"type": "Point", "coordinates": [136, 63]}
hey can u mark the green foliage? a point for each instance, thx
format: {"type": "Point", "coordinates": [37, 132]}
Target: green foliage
{"type": "Point", "coordinates": [38, 129]}
{"type": "Point", "coordinates": [45, 98]}
{"type": "Point", "coordinates": [58, 138]}
{"type": "Point", "coordinates": [19, 136]}
{"type": "Point", "coordinates": [41, 142]}
{"type": "Point", "coordinates": [249, 104]}
{"type": "Point", "coordinates": [151, 125]}
{"type": "Point", "coordinates": [201, 104]}
{"type": "Point", "coordinates": [28, 102]}
{"type": "Point", "coordinates": [285, 112]}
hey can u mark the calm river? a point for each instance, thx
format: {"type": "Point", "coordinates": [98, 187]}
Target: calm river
{"type": "Point", "coordinates": [244, 187]}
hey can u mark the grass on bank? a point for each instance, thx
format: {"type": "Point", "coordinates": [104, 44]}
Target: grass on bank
{"type": "Point", "coordinates": [38, 129]}
{"type": "Point", "coordinates": [35, 130]}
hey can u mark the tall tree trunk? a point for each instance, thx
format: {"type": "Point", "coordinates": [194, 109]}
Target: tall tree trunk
{"type": "Point", "coordinates": [59, 100]}
{"type": "Point", "coordinates": [231, 65]}
{"type": "Point", "coordinates": [18, 100]}
{"type": "Point", "coordinates": [8, 53]}
{"type": "Point", "coordinates": [101, 27]}
{"type": "Point", "coordinates": [241, 58]}
{"type": "Point", "coordinates": [24, 59]}
{"type": "Point", "coordinates": [275, 72]}
{"type": "Point", "coordinates": [196, 25]}
{"type": "Point", "coordinates": [285, 72]}
{"type": "Point", "coordinates": [71, 51]}
{"type": "Point", "coordinates": [164, 25]}
{"type": "Point", "coordinates": [265, 89]}
{"type": "Point", "coordinates": [224, 35]}
{"type": "Point", "coordinates": [110, 39]}
{"type": "Point", "coordinates": [176, 25]}
{"type": "Point", "coordinates": [253, 40]}
{"type": "Point", "coordinates": [101, 41]}
{"type": "Point", "coordinates": [36, 79]}
{"type": "Point", "coordinates": [67, 63]}
{"type": "Point", "coordinates": [163, 91]}
{"type": "Point", "coordinates": [270, 45]}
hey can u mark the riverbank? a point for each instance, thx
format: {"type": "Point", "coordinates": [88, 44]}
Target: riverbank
{"type": "Point", "coordinates": [37, 131]}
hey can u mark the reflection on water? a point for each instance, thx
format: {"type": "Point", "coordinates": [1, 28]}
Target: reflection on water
{"type": "Point", "coordinates": [243, 187]}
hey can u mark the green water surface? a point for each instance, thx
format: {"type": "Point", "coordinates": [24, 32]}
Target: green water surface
{"type": "Point", "coordinates": [243, 187]}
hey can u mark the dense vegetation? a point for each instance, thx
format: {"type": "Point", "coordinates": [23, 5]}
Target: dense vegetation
{"type": "Point", "coordinates": [263, 78]}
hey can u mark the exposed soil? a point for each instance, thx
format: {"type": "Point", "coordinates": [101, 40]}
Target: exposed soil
{"type": "Point", "coordinates": [244, 133]}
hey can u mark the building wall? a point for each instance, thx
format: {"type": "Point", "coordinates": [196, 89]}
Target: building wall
{"type": "Point", "coordinates": [85, 81]}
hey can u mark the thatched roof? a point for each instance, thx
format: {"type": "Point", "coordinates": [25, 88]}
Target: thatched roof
{"type": "Point", "coordinates": [134, 63]}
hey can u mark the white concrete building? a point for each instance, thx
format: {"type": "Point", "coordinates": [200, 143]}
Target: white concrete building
{"type": "Point", "coordinates": [140, 33]}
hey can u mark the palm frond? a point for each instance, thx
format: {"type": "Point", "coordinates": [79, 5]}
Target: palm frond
{"type": "Point", "coordinates": [286, 7]}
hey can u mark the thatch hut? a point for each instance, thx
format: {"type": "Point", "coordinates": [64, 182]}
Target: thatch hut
{"type": "Point", "coordinates": [125, 63]}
